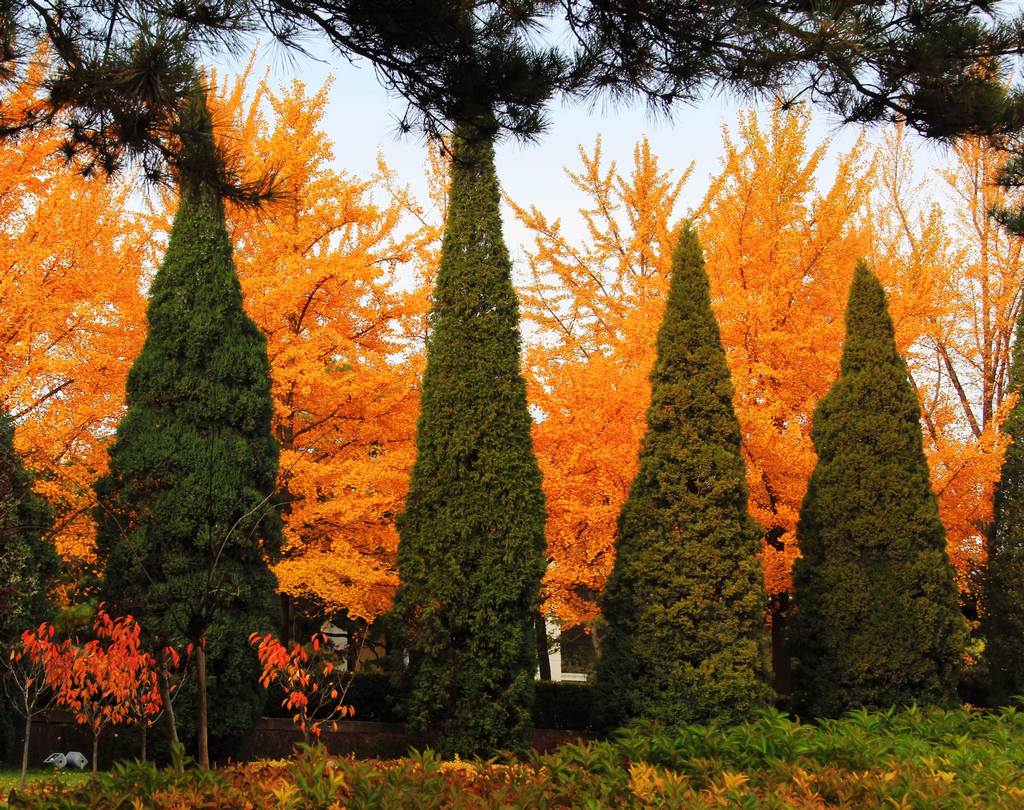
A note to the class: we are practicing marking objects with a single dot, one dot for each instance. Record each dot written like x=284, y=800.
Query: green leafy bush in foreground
x=911, y=758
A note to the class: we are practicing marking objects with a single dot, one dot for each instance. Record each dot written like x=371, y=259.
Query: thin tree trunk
x=204, y=750
x=352, y=650
x=286, y=612
x=965, y=402
x=779, y=612
x=541, y=633
x=95, y=750
x=165, y=699
x=24, y=751
x=145, y=735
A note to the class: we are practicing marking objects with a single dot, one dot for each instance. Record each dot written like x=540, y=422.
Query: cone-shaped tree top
x=870, y=338
x=470, y=557
x=684, y=605
x=878, y=620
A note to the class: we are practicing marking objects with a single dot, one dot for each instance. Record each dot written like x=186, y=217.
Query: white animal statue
x=72, y=759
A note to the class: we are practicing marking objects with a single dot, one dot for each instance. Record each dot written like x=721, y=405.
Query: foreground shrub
x=557, y=704
x=913, y=758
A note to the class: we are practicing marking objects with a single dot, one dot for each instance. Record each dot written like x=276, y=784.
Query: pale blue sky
x=361, y=121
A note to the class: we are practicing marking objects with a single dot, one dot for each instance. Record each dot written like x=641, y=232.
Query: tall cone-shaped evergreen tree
x=186, y=520
x=684, y=604
x=471, y=549
x=28, y=560
x=878, y=621
x=1003, y=579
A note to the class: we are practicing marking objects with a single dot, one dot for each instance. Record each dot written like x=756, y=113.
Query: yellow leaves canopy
x=333, y=276
x=70, y=324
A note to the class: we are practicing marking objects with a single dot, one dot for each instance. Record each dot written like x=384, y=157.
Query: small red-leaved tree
x=25, y=681
x=314, y=689
x=106, y=681
x=144, y=702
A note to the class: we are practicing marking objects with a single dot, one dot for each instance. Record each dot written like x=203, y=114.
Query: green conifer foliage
x=684, y=605
x=878, y=621
x=470, y=556
x=28, y=560
x=186, y=520
x=1003, y=579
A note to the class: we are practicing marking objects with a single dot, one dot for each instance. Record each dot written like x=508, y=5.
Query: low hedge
x=564, y=706
x=559, y=706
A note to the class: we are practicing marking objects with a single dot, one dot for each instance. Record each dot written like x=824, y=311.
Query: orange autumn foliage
x=337, y=275
x=72, y=317
x=109, y=680
x=780, y=255
x=314, y=687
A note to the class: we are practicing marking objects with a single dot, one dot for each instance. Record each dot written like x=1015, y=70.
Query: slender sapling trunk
x=165, y=699
x=204, y=751
x=24, y=751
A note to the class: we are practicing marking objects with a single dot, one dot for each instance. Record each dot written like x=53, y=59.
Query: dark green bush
x=370, y=693
x=564, y=705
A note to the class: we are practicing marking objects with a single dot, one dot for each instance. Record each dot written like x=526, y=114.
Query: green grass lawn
x=9, y=778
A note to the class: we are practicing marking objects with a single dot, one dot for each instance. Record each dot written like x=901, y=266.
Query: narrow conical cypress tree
x=185, y=518
x=878, y=621
x=1003, y=578
x=684, y=605
x=470, y=556
x=28, y=560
